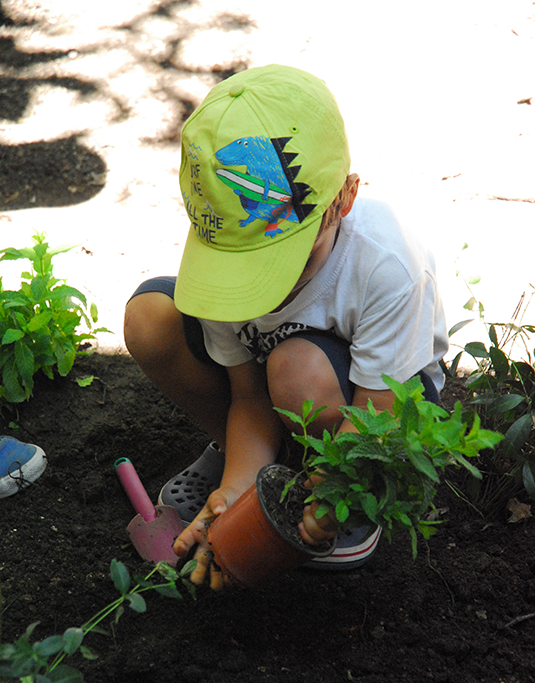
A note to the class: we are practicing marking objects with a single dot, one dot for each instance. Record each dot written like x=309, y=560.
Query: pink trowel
x=154, y=529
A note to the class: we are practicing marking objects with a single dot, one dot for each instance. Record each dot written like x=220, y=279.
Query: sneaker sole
x=348, y=558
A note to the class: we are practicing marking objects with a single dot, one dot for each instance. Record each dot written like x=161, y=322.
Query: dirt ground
x=443, y=617
x=90, y=115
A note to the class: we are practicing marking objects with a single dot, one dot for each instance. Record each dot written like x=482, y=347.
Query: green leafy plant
x=388, y=469
x=39, y=323
x=502, y=394
x=42, y=661
x=501, y=391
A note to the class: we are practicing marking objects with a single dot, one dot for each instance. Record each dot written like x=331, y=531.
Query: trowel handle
x=135, y=490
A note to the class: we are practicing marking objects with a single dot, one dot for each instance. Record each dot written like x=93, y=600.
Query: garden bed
x=443, y=617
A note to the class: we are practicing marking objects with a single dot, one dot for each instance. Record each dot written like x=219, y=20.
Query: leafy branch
x=41, y=661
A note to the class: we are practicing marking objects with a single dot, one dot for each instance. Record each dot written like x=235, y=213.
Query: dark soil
x=444, y=617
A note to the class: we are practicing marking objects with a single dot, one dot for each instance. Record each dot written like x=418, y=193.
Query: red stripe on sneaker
x=350, y=557
x=374, y=540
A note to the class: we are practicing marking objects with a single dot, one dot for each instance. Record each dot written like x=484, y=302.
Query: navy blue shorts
x=335, y=348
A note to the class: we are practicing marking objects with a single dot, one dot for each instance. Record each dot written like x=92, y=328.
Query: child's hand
x=195, y=534
x=315, y=531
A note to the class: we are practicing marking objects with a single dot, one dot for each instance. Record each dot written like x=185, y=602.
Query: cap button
x=236, y=89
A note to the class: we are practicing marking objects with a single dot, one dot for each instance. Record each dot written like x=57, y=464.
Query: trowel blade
x=154, y=540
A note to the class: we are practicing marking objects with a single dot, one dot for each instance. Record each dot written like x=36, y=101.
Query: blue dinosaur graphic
x=264, y=190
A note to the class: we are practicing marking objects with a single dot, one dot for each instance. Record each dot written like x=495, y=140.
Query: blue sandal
x=189, y=490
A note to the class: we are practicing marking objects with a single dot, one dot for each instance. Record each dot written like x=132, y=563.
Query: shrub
x=39, y=323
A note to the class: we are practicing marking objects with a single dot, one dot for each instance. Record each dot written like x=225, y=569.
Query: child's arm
x=253, y=438
x=315, y=531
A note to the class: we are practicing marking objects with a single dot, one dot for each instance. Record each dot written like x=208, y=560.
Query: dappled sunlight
x=440, y=123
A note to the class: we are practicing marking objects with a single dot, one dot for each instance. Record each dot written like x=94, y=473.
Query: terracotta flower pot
x=250, y=546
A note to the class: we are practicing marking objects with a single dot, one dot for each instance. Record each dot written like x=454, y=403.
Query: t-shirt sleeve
x=396, y=331
x=223, y=345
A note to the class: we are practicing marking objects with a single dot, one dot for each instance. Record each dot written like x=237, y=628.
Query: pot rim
x=304, y=548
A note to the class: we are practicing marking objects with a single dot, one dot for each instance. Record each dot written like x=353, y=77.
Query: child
x=289, y=289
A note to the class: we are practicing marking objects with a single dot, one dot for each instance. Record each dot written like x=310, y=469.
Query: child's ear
x=352, y=194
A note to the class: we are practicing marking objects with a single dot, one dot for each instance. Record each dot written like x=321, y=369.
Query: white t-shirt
x=377, y=290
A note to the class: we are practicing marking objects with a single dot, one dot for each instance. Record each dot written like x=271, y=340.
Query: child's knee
x=299, y=371
x=150, y=325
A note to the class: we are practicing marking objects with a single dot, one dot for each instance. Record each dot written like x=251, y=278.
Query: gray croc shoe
x=189, y=490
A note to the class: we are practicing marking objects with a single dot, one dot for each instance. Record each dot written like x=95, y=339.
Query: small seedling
x=388, y=469
x=85, y=381
x=42, y=661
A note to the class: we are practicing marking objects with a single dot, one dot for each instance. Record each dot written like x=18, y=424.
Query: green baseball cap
x=263, y=157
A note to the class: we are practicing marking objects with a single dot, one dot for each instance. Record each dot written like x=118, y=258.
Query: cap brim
x=231, y=286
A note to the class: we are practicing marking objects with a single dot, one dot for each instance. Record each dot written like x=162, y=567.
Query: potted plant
x=385, y=472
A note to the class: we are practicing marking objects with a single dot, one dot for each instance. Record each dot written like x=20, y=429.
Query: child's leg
x=299, y=369
x=310, y=366
x=154, y=335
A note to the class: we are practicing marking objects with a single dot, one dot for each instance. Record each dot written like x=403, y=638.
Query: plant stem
x=106, y=611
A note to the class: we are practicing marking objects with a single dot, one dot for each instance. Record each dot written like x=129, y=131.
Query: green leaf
x=459, y=326
x=409, y=417
x=470, y=304
x=188, y=568
x=11, y=254
x=120, y=576
x=500, y=362
x=65, y=294
x=39, y=321
x=65, y=354
x=323, y=509
x=370, y=506
x=169, y=591
x=72, y=639
x=292, y=416
x=369, y=449
x=39, y=286
x=14, y=393
x=49, y=646
x=65, y=674
x=502, y=404
x=468, y=466
x=528, y=478
x=25, y=363
x=455, y=364
x=516, y=436
x=12, y=335
x=170, y=573
x=476, y=349
x=137, y=602
x=341, y=511
x=398, y=389
x=87, y=653
x=84, y=381
x=315, y=414
x=420, y=460
x=7, y=651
